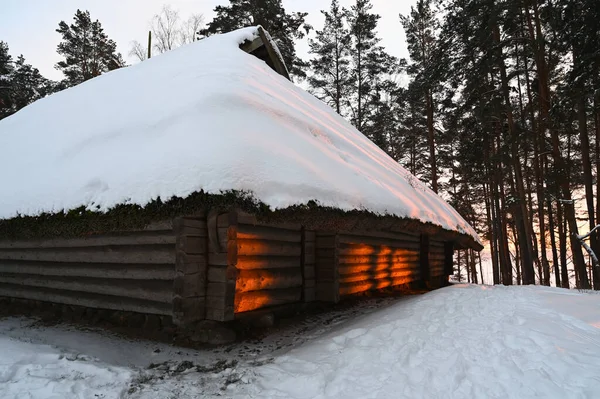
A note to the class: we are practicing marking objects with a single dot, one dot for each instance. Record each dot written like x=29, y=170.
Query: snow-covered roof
x=206, y=116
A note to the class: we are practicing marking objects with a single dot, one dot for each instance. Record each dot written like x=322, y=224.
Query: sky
x=29, y=26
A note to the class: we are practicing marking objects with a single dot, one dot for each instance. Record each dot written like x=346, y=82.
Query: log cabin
x=329, y=216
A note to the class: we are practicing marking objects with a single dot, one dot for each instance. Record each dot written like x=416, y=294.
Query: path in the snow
x=65, y=361
x=458, y=342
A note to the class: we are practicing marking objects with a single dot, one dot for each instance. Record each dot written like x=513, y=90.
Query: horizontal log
x=437, y=244
x=389, y=274
x=394, y=242
x=267, y=262
x=246, y=232
x=258, y=280
x=86, y=299
x=376, y=259
x=133, y=238
x=362, y=268
x=218, y=259
x=160, y=225
x=248, y=301
x=152, y=290
x=191, y=227
x=268, y=248
x=364, y=249
x=107, y=254
x=92, y=270
x=370, y=285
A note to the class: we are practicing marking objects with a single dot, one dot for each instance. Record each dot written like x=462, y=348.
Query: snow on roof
x=204, y=116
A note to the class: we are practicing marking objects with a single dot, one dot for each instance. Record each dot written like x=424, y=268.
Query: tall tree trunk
x=595, y=238
x=431, y=140
x=553, y=245
x=562, y=239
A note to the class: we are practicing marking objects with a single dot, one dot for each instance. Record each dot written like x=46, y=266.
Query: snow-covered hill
x=458, y=342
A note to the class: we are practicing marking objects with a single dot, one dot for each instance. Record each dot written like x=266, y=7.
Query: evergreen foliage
x=284, y=27
x=87, y=50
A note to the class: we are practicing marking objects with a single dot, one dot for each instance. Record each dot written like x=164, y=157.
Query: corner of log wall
x=327, y=275
x=189, y=286
x=222, y=262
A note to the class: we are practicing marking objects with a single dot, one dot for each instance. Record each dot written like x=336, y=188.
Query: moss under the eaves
x=82, y=222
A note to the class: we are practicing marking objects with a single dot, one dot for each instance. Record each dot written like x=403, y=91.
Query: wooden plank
x=277, y=62
x=362, y=268
x=309, y=272
x=92, y=270
x=258, y=280
x=156, y=291
x=136, y=238
x=106, y=254
x=268, y=248
x=379, y=241
x=361, y=236
x=377, y=259
x=362, y=286
x=251, y=45
x=191, y=227
x=267, y=262
x=247, y=232
x=382, y=275
x=85, y=299
x=248, y=301
x=364, y=249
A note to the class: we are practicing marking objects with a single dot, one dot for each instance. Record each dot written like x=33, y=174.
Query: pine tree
x=87, y=49
x=370, y=62
x=330, y=76
x=28, y=84
x=420, y=28
x=6, y=71
x=271, y=15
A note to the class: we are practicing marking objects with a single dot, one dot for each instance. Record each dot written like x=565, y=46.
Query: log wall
x=214, y=267
x=371, y=262
x=256, y=266
x=130, y=271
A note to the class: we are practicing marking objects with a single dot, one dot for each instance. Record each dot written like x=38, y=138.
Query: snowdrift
x=206, y=116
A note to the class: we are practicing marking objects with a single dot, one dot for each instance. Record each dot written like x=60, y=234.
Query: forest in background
x=500, y=116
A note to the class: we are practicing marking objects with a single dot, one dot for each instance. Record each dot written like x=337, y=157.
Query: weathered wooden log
x=85, y=299
x=362, y=259
x=108, y=254
x=268, y=248
x=156, y=291
x=376, y=276
x=256, y=280
x=248, y=301
x=358, y=249
x=134, y=238
x=368, y=267
x=369, y=285
x=395, y=242
x=92, y=270
x=267, y=262
x=246, y=232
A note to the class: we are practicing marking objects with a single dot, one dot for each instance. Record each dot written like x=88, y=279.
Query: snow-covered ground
x=458, y=342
